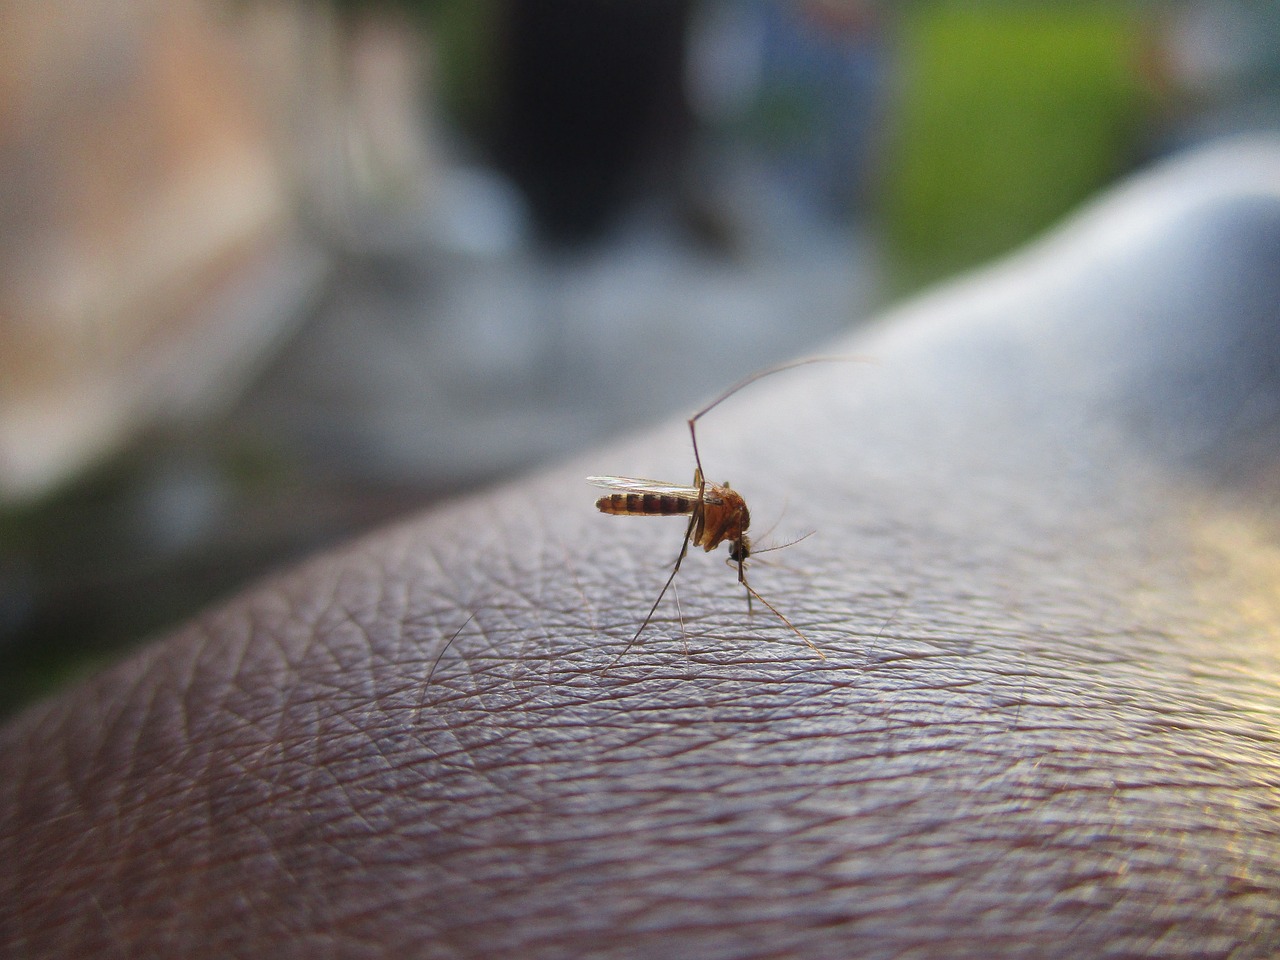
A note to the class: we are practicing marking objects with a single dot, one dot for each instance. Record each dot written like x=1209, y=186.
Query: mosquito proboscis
x=717, y=513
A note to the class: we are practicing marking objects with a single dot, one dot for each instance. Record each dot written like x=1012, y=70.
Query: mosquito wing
x=638, y=485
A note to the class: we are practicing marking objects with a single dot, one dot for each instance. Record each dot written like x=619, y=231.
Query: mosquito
x=717, y=513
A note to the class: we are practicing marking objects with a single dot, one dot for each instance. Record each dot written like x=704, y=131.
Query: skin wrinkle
x=1027, y=741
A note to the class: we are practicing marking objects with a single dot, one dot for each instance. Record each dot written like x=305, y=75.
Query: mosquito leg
x=699, y=480
x=697, y=459
x=684, y=550
x=778, y=613
x=684, y=633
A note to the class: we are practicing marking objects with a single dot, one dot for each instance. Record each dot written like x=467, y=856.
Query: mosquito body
x=717, y=513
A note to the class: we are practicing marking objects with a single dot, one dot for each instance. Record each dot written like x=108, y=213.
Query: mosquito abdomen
x=644, y=504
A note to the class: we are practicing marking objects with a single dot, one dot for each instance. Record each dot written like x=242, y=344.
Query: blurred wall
x=156, y=156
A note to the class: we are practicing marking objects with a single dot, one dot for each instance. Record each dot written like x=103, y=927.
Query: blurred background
x=275, y=271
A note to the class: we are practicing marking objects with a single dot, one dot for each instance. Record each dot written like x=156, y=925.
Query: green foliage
x=1008, y=117
x=465, y=35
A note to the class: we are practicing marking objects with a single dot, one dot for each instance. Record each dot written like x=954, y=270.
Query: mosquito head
x=739, y=550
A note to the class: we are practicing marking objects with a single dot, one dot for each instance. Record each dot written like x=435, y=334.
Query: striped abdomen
x=645, y=504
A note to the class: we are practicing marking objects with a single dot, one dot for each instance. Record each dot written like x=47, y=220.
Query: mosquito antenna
x=782, y=546
x=774, y=526
x=443, y=650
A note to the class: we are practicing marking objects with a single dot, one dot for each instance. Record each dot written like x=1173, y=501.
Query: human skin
x=1044, y=575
